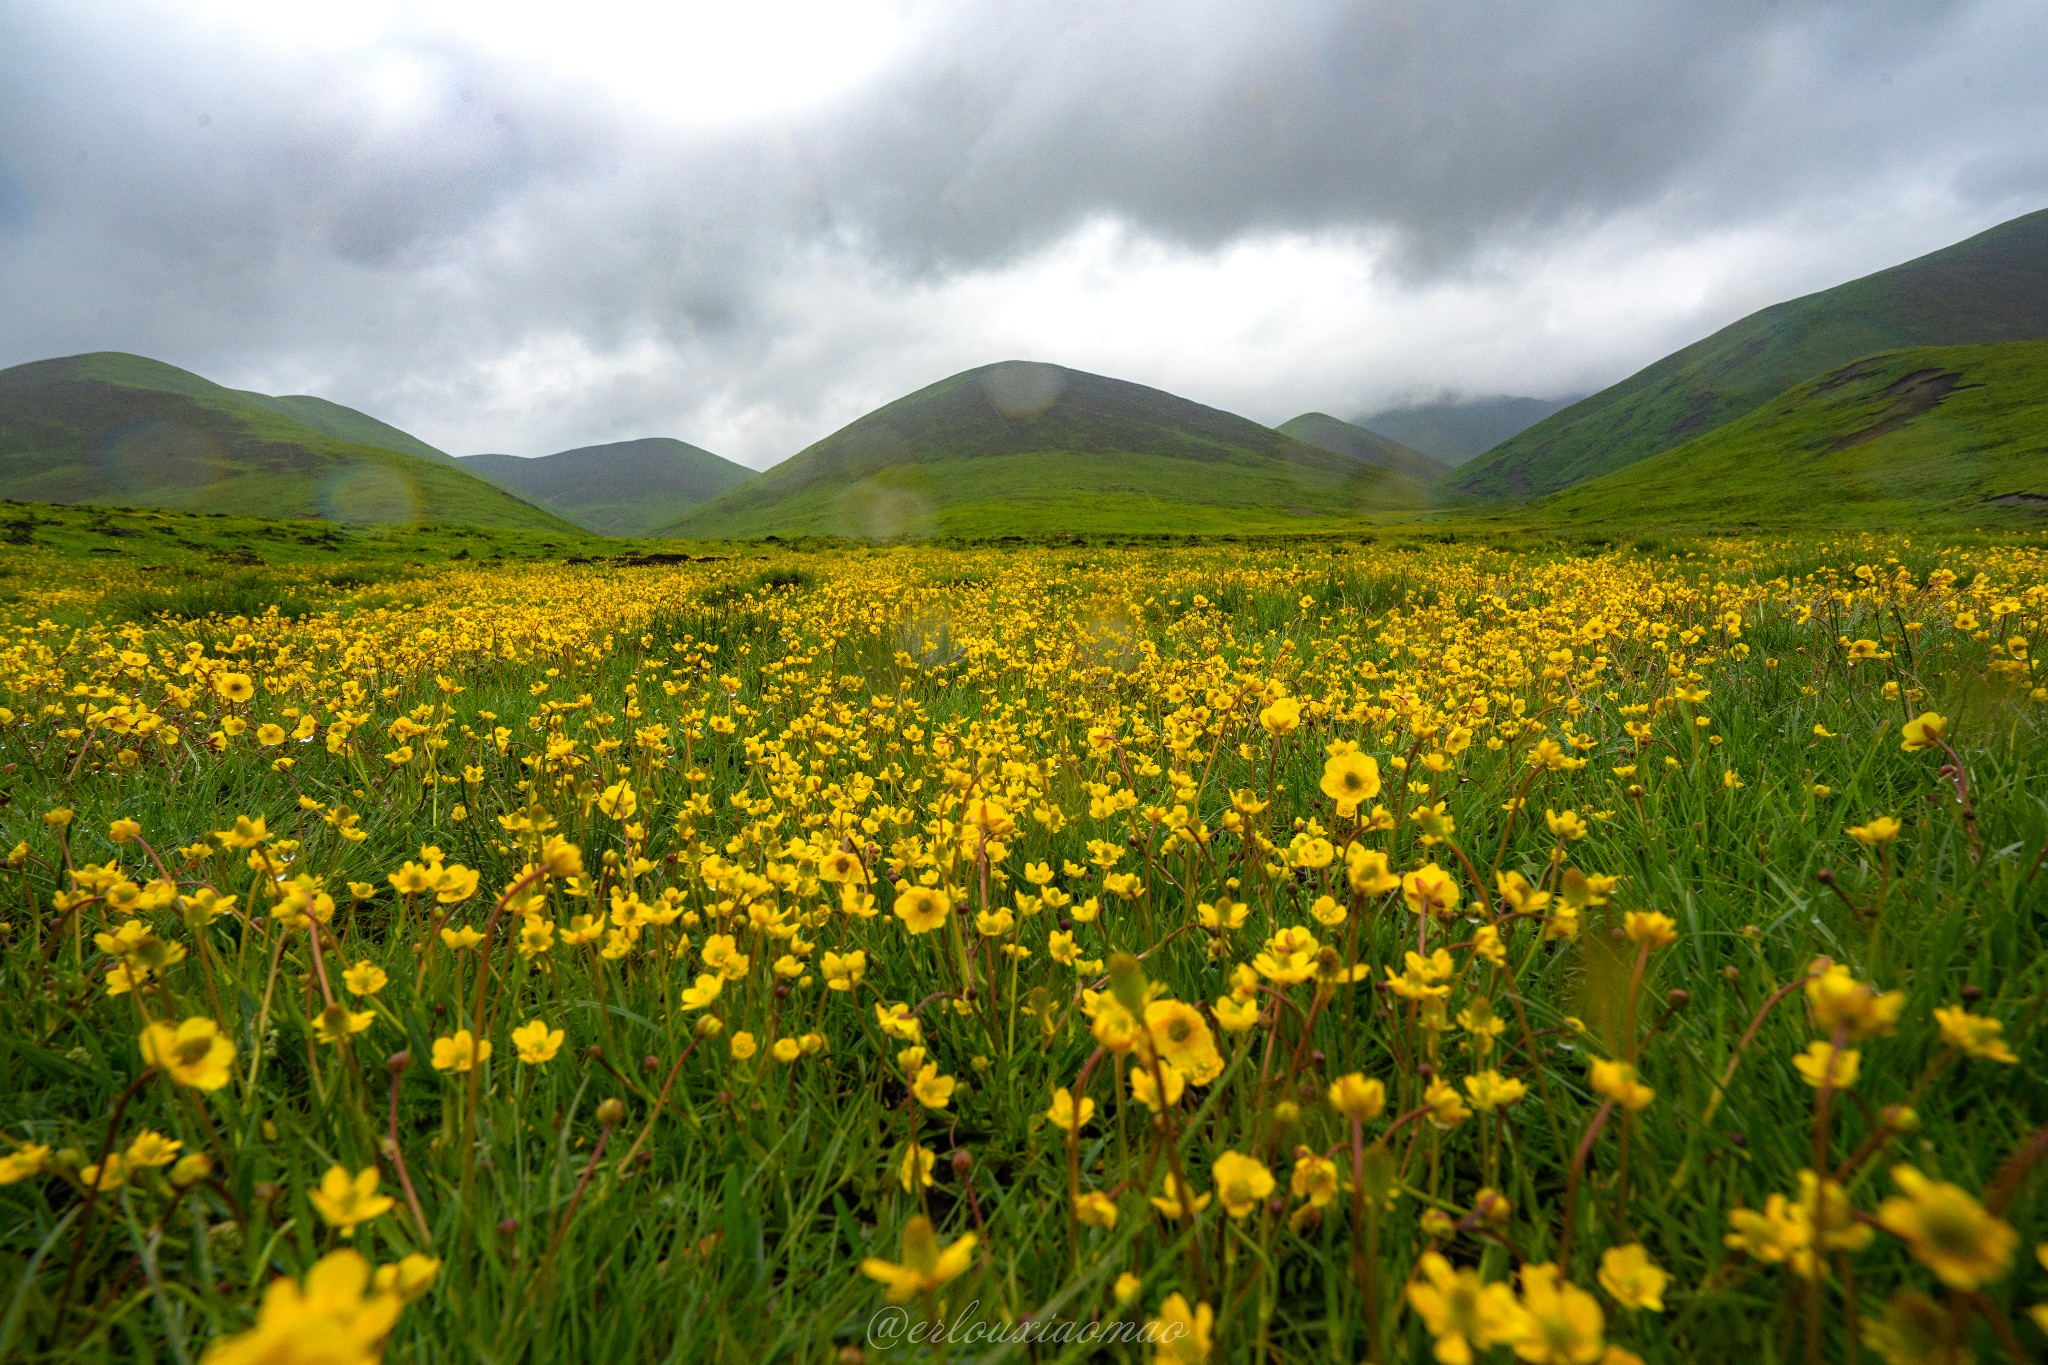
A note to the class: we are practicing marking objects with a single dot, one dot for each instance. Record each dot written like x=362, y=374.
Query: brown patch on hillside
x=1842, y=376
x=1695, y=417
x=1911, y=395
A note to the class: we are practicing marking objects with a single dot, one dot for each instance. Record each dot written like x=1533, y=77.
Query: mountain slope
x=1944, y=435
x=1021, y=447
x=358, y=428
x=1457, y=429
x=1992, y=287
x=126, y=431
x=1327, y=432
x=625, y=488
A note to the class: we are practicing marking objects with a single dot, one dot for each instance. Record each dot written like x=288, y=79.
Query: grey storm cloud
x=255, y=213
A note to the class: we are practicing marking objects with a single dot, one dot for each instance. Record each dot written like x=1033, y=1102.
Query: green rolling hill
x=625, y=488
x=1991, y=288
x=1939, y=435
x=1027, y=448
x=122, y=430
x=1327, y=432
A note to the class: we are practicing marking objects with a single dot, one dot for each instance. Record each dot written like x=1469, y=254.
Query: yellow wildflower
x=344, y=1200
x=1632, y=1278
x=1465, y=1315
x=536, y=1042
x=192, y=1053
x=927, y=1265
x=1948, y=1231
x=1184, y=1333
x=1241, y=1182
x=460, y=1052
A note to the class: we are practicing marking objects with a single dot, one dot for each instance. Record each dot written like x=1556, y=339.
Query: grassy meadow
x=1387, y=947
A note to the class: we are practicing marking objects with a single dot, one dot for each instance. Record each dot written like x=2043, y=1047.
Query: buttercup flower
x=1358, y=1098
x=344, y=1200
x=1632, y=1278
x=460, y=1051
x=926, y=1267
x=1241, y=1182
x=1566, y=1326
x=1431, y=891
x=192, y=1053
x=410, y=1277
x=1974, y=1035
x=1350, y=779
x=1948, y=1231
x=536, y=1042
x=1924, y=731
x=1465, y=1315
x=933, y=1091
x=1824, y=1064
x=1184, y=1333
x=1065, y=1116
x=1095, y=1209
x=1182, y=1038
x=333, y=1318
x=1171, y=1201
x=365, y=978
x=922, y=908
x=1616, y=1081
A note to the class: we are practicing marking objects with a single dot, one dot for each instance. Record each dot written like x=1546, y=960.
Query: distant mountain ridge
x=622, y=488
x=124, y=430
x=1992, y=287
x=1455, y=430
x=1031, y=448
x=1321, y=429
x=1920, y=390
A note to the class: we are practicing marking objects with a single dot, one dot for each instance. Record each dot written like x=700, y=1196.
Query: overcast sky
x=519, y=226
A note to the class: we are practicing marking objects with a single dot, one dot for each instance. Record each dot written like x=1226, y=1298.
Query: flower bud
x=1127, y=983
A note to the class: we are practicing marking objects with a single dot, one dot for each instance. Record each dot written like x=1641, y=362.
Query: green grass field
x=1053, y=492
